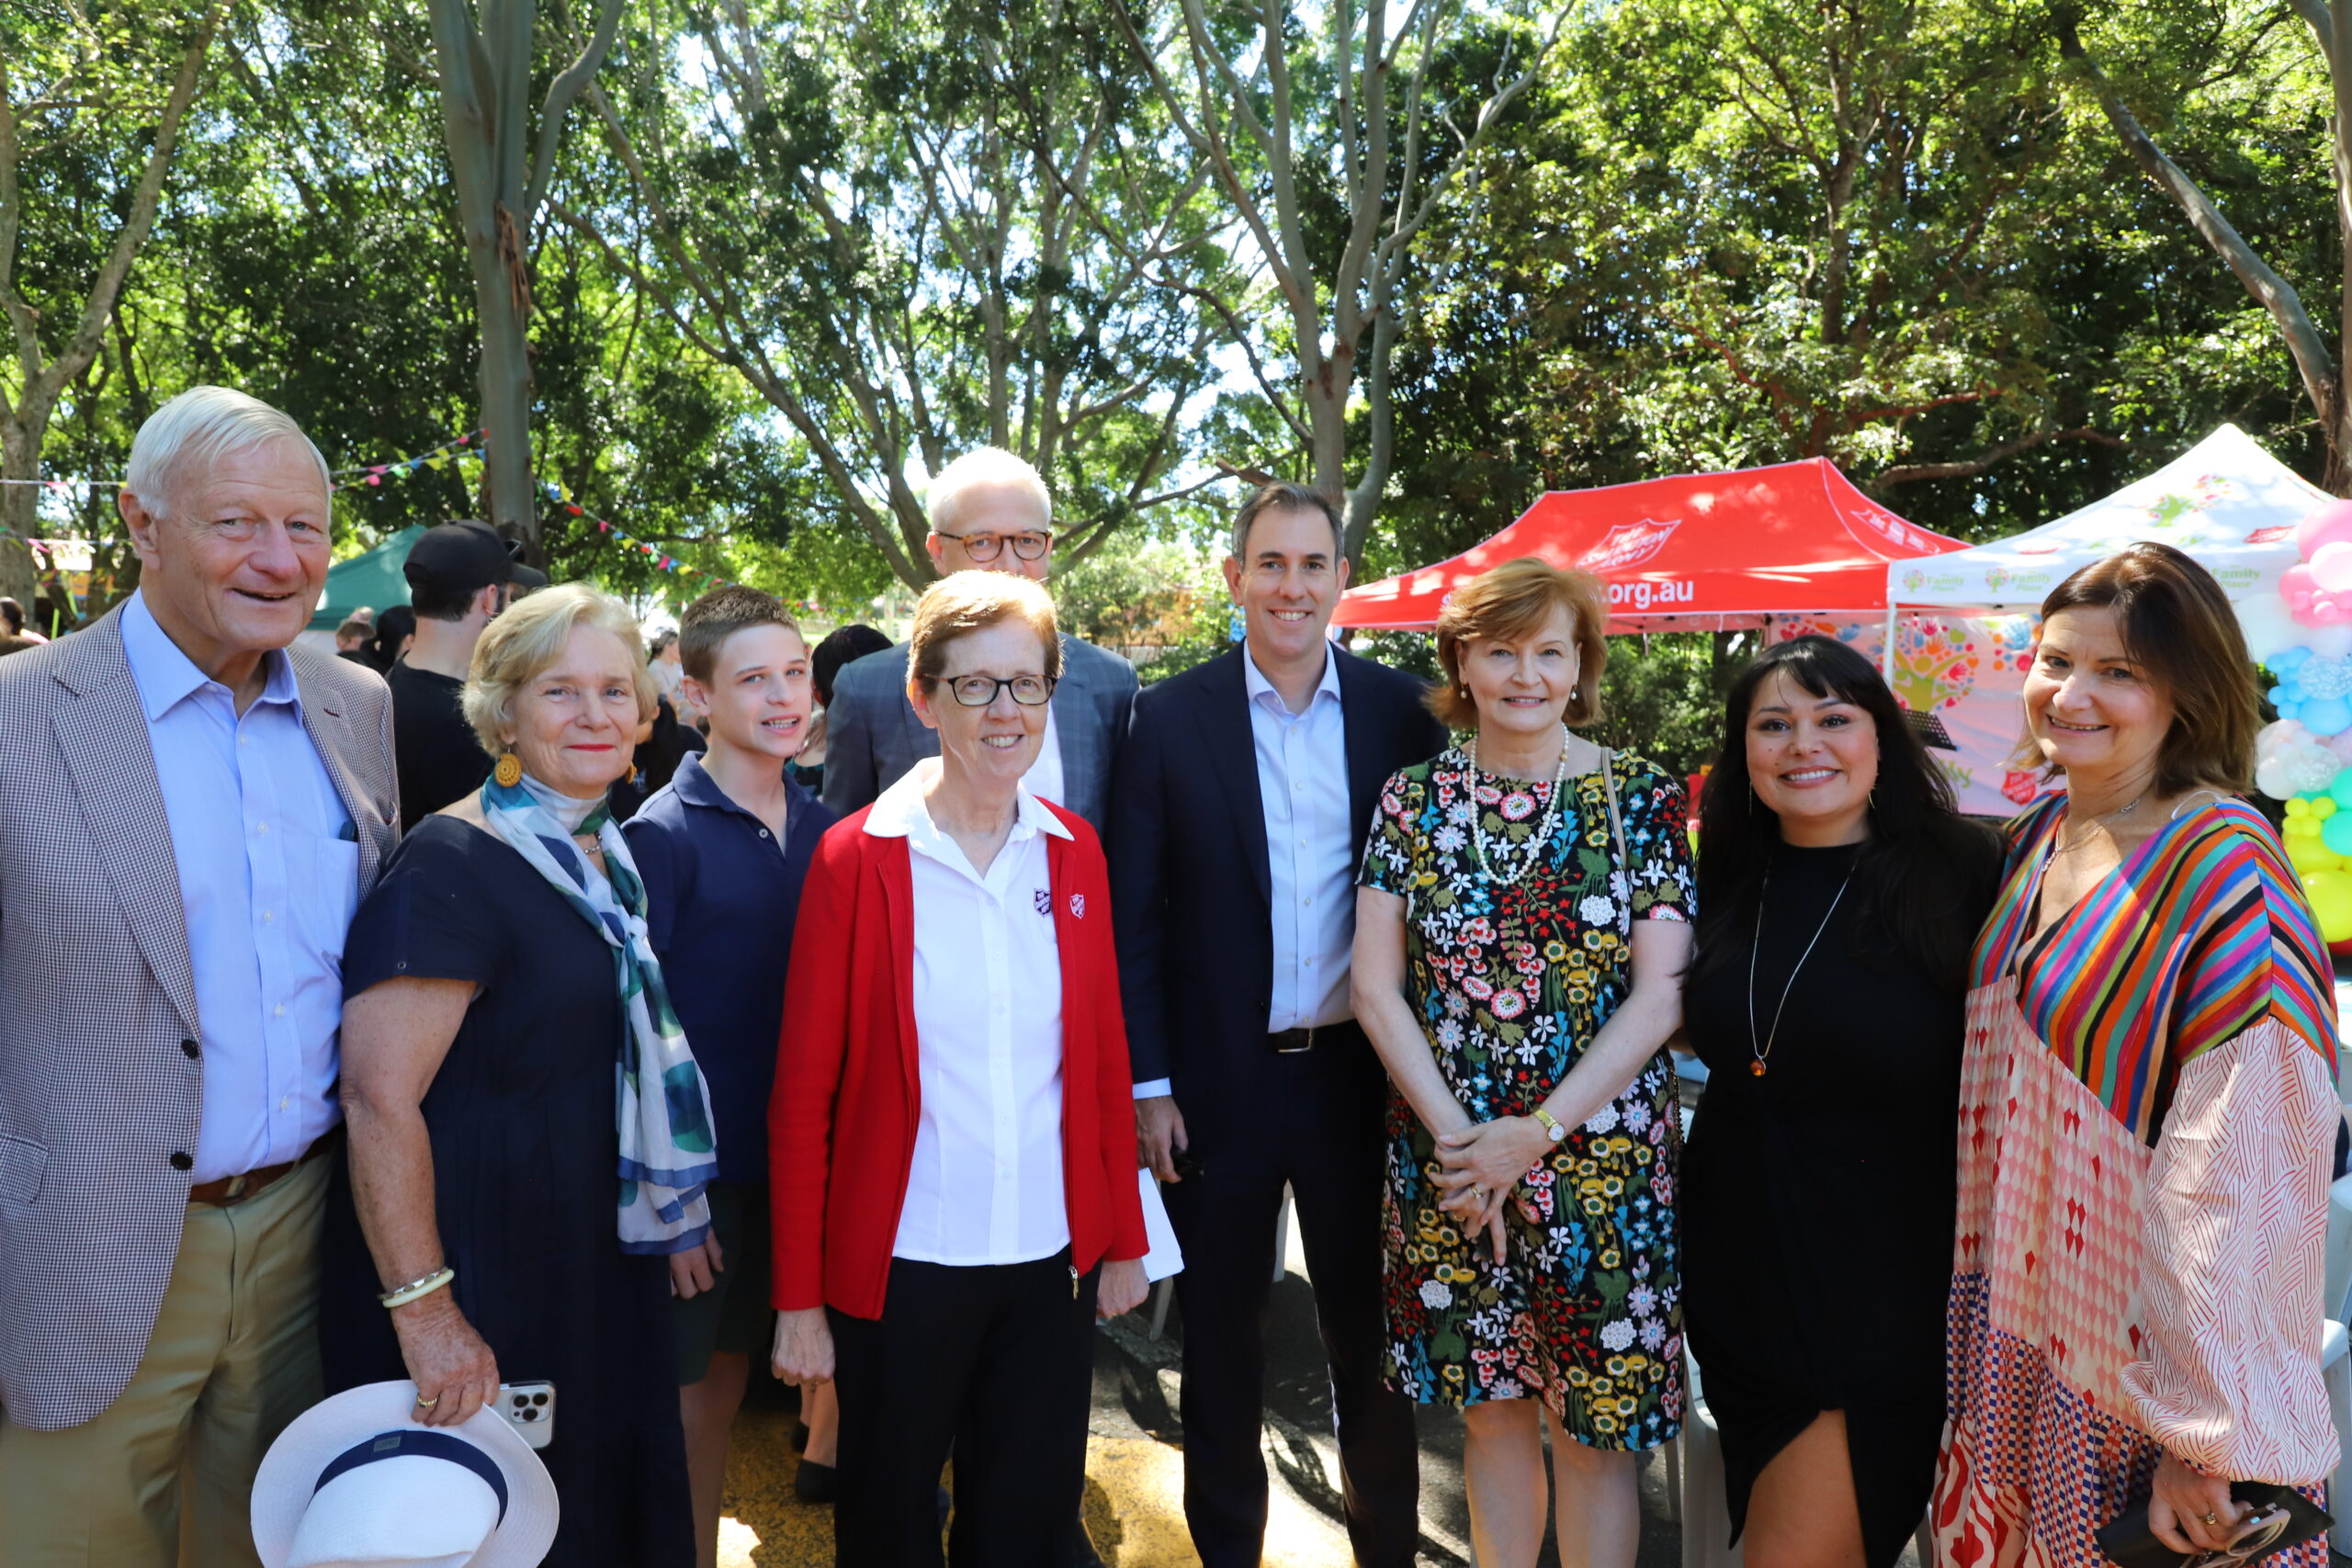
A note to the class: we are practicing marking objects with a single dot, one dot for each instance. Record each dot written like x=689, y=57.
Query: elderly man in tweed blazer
x=190, y=809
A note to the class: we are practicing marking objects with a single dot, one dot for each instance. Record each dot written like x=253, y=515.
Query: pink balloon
x=2329, y=525
x=2296, y=586
x=2340, y=743
x=2332, y=566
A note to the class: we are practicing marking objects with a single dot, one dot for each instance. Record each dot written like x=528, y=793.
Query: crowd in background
x=499, y=1011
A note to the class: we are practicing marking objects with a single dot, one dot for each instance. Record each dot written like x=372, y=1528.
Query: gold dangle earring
x=509, y=772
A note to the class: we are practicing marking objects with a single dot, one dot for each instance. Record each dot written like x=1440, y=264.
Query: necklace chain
x=1542, y=828
x=1763, y=1052
x=2067, y=847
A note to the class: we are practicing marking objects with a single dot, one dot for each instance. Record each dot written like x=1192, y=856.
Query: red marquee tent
x=1699, y=552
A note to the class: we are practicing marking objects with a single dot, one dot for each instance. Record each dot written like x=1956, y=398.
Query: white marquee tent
x=1958, y=632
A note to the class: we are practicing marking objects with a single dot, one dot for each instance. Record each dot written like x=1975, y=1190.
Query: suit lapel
x=1075, y=717
x=102, y=734
x=1359, y=725
x=1233, y=758
x=330, y=737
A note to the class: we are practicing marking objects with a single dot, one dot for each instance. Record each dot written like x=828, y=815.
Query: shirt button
x=763, y=832
x=261, y=826
x=285, y=1102
x=267, y=917
x=188, y=1049
x=1308, y=902
x=280, y=1013
x=182, y=1161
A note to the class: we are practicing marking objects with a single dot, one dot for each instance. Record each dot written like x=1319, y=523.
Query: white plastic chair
x=1706, y=1513
x=2335, y=1365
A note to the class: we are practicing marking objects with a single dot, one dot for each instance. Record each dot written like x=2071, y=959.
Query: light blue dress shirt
x=1303, y=783
x=268, y=882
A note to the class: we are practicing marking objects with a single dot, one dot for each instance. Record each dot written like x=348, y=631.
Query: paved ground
x=1134, y=1504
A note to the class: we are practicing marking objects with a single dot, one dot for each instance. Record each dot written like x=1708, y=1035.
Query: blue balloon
x=2287, y=660
x=2336, y=833
x=2339, y=789
x=2324, y=716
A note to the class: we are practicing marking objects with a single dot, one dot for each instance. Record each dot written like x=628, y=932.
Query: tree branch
x=2314, y=363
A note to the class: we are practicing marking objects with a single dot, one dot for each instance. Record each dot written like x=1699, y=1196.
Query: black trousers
x=1314, y=1121
x=995, y=1363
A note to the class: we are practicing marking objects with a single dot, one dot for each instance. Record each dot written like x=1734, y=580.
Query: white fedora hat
x=355, y=1483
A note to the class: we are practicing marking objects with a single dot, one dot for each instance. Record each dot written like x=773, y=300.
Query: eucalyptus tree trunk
x=2326, y=379
x=502, y=180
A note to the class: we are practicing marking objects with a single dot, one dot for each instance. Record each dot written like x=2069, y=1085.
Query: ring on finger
x=1478, y=1194
x=2209, y=1517
x=424, y=1403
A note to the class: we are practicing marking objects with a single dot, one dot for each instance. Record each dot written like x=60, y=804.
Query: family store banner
x=1698, y=552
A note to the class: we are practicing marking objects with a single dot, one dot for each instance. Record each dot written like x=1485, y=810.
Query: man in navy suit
x=1238, y=817
x=990, y=512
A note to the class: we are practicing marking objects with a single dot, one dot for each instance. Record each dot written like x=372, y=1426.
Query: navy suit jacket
x=1190, y=880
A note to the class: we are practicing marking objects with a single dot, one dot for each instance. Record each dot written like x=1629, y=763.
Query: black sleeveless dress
x=1817, y=1199
x=525, y=1162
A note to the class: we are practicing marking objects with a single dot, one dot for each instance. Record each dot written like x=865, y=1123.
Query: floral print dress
x=1512, y=983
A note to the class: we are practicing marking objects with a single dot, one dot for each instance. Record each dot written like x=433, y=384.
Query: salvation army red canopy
x=1698, y=552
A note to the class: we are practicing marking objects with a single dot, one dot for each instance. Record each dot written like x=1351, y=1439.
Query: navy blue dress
x=524, y=1157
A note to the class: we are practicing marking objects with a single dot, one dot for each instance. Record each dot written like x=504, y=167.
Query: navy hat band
x=423, y=1444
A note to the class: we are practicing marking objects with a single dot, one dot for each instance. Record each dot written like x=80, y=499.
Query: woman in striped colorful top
x=2148, y=1109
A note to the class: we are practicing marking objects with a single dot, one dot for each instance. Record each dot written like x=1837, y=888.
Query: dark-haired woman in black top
x=1838, y=894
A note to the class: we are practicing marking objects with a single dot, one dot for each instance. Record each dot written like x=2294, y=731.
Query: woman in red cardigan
x=952, y=1128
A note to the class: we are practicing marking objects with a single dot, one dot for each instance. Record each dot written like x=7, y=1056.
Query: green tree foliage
x=1739, y=231
x=881, y=216
x=93, y=99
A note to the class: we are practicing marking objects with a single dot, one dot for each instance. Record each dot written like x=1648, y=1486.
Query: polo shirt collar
x=168, y=677
x=900, y=812
x=692, y=783
x=1261, y=690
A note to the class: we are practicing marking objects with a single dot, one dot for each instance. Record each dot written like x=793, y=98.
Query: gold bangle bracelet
x=417, y=1290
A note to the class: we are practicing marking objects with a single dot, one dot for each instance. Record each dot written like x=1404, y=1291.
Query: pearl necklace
x=1542, y=828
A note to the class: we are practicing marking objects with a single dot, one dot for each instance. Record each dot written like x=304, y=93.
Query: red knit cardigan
x=849, y=1092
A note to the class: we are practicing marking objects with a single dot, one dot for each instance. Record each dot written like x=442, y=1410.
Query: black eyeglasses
x=984, y=546
x=979, y=690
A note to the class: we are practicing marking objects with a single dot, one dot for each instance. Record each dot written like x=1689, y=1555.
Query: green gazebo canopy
x=371, y=581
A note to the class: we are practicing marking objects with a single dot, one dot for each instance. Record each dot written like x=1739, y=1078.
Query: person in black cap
x=460, y=575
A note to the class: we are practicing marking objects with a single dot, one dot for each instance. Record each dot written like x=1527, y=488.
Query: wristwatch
x=1552, y=1129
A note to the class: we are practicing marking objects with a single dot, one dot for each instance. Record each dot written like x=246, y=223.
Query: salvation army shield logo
x=1628, y=544
x=1078, y=906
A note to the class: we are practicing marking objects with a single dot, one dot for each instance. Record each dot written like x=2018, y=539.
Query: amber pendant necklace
x=1763, y=1052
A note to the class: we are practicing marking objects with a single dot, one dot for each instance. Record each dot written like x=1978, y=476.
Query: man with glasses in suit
x=990, y=512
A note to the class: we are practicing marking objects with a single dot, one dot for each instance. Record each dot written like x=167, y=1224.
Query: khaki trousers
x=163, y=1476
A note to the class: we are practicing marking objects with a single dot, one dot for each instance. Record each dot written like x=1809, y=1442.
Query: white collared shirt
x=1303, y=788
x=984, y=1186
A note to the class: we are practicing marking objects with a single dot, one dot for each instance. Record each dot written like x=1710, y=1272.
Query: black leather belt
x=1292, y=1042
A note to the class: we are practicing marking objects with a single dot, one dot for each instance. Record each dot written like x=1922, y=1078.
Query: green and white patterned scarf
x=667, y=1146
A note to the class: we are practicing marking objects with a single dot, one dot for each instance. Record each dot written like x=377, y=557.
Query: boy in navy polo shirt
x=723, y=849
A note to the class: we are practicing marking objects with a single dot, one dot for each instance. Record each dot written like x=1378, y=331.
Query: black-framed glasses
x=985, y=546
x=979, y=690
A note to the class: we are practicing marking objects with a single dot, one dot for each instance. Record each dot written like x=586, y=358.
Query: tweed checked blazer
x=99, y=1078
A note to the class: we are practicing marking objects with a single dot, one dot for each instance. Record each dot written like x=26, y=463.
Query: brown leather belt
x=230, y=1190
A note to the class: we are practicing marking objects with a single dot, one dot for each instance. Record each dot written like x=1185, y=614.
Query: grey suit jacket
x=872, y=734
x=97, y=997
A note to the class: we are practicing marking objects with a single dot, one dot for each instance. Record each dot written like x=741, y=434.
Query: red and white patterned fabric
x=2111, y=1300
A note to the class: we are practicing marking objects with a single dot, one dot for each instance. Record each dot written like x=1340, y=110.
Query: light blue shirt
x=1303, y=783
x=268, y=881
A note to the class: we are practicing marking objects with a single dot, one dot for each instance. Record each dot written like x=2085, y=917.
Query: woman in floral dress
x=1521, y=922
